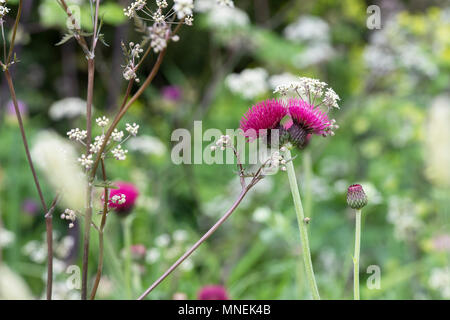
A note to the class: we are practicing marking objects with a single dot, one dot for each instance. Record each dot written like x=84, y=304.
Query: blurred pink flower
x=23, y=108
x=213, y=292
x=30, y=206
x=172, y=93
x=138, y=251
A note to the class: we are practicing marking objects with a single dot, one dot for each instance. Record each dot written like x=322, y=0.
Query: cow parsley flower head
x=70, y=215
x=183, y=8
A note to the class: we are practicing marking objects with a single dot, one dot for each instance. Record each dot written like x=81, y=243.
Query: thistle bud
x=356, y=197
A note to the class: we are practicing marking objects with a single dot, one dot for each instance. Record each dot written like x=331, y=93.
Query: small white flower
x=70, y=215
x=102, y=121
x=117, y=135
x=3, y=10
x=189, y=20
x=98, y=142
x=132, y=129
x=118, y=199
x=161, y=3
x=86, y=161
x=130, y=12
x=77, y=134
x=183, y=8
x=119, y=153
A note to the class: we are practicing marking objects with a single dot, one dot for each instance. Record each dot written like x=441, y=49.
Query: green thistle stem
x=302, y=226
x=356, y=255
x=127, y=244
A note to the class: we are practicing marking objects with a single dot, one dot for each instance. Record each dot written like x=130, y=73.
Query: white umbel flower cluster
x=70, y=215
x=3, y=8
x=116, y=140
x=132, y=129
x=223, y=142
x=118, y=199
x=130, y=11
x=77, y=134
x=86, y=161
x=133, y=54
x=277, y=160
x=160, y=31
x=312, y=91
x=183, y=8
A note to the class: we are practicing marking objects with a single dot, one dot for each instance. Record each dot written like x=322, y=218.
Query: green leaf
x=64, y=39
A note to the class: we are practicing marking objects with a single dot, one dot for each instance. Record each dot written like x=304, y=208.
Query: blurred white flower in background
x=308, y=28
x=12, y=286
x=437, y=142
x=147, y=145
x=67, y=108
x=180, y=235
x=262, y=214
x=152, y=255
x=403, y=214
x=57, y=159
x=162, y=240
x=313, y=54
x=226, y=17
x=440, y=281
x=314, y=33
x=393, y=47
x=250, y=83
x=6, y=237
x=222, y=16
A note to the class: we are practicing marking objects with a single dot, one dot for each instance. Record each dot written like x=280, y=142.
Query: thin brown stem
x=123, y=110
x=126, y=106
x=48, y=219
x=199, y=242
x=100, y=235
x=14, y=32
x=88, y=212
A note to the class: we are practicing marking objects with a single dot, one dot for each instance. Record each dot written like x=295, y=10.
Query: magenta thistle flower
x=213, y=292
x=123, y=205
x=265, y=115
x=356, y=197
x=306, y=119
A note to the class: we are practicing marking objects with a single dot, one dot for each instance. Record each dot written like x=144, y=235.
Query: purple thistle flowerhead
x=305, y=120
x=265, y=115
x=213, y=292
x=356, y=197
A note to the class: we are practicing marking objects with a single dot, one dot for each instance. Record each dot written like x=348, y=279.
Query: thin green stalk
x=126, y=223
x=302, y=226
x=356, y=255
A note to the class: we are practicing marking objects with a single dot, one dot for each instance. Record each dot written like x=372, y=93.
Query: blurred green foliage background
x=394, y=139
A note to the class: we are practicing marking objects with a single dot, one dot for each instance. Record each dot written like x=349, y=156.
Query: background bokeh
x=394, y=139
